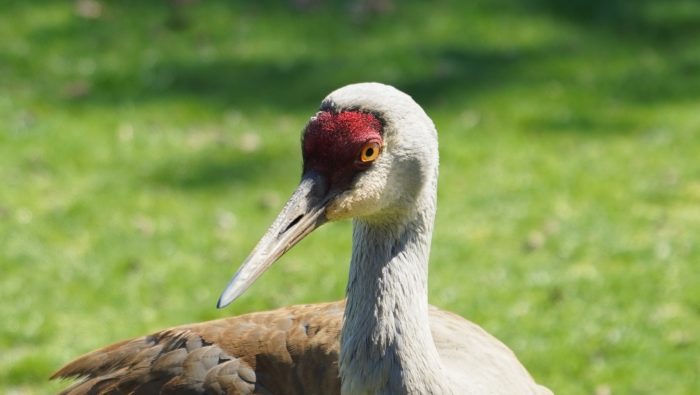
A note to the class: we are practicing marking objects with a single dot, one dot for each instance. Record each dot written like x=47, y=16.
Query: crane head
x=356, y=165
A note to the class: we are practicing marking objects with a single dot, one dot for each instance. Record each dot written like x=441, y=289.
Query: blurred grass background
x=145, y=146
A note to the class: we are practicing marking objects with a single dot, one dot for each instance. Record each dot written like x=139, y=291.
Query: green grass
x=141, y=156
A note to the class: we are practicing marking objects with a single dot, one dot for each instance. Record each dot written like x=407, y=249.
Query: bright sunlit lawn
x=144, y=149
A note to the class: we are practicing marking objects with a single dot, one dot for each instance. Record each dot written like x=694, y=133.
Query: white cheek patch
x=364, y=199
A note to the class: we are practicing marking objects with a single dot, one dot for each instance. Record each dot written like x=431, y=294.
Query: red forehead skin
x=332, y=141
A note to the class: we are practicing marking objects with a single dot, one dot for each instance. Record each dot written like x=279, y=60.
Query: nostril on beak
x=294, y=222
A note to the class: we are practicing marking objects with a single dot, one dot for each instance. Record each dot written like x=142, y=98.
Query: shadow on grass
x=131, y=68
x=659, y=22
x=432, y=73
x=225, y=82
x=458, y=73
x=582, y=123
x=224, y=169
x=450, y=74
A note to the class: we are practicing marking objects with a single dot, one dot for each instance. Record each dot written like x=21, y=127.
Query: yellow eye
x=370, y=152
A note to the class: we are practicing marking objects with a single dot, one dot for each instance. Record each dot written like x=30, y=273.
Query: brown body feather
x=288, y=351
x=293, y=350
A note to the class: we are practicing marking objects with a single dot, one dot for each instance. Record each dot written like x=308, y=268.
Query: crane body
x=370, y=155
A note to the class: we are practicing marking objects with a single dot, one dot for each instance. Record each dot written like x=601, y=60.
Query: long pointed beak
x=304, y=212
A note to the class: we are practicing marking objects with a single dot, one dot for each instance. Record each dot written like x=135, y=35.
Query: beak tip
x=220, y=303
x=226, y=298
x=303, y=212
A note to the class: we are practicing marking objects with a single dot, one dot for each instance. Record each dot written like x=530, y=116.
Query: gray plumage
x=386, y=339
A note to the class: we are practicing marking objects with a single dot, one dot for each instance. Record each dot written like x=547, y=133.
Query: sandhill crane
x=370, y=154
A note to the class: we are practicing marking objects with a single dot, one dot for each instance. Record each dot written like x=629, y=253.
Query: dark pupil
x=369, y=152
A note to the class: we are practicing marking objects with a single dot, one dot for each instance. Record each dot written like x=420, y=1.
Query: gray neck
x=386, y=343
